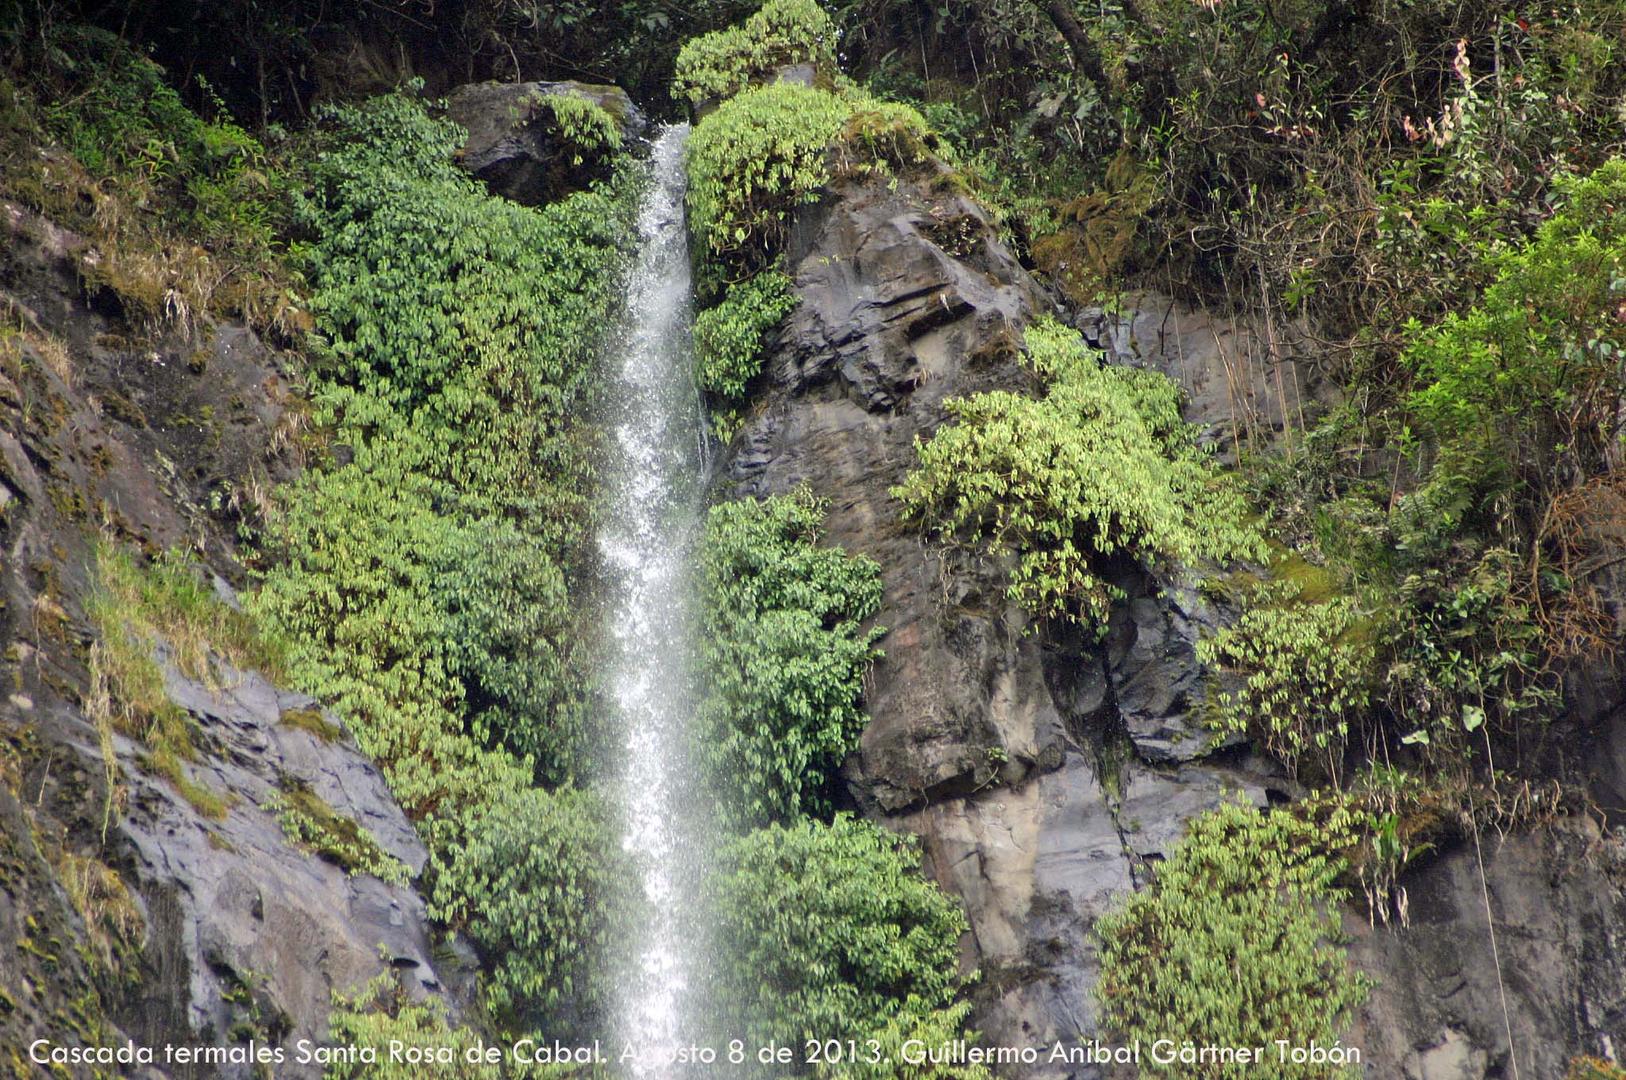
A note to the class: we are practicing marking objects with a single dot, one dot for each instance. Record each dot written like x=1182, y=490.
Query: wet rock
x=155, y=437
x=880, y=339
x=986, y=732
x=519, y=157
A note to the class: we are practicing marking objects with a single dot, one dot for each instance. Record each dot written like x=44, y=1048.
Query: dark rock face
x=1044, y=772
x=157, y=438
x=252, y=912
x=513, y=154
x=994, y=743
x=1559, y=902
x=1241, y=382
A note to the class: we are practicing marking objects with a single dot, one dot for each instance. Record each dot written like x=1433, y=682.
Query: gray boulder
x=514, y=151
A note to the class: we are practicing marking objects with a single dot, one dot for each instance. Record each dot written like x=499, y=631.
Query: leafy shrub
x=513, y=638
x=584, y=124
x=1525, y=386
x=381, y=1012
x=1469, y=650
x=756, y=159
x=829, y=932
x=356, y=594
x=540, y=888
x=722, y=63
x=783, y=655
x=1306, y=672
x=426, y=582
x=728, y=337
x=767, y=151
x=1102, y=464
x=1232, y=944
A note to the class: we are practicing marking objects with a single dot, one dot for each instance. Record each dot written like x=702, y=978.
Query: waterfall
x=649, y=526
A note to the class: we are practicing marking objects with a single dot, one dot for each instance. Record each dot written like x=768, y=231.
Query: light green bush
x=767, y=151
x=754, y=161
x=722, y=63
x=783, y=655
x=830, y=932
x=426, y=579
x=1306, y=671
x=584, y=124
x=1525, y=387
x=728, y=337
x=1100, y=465
x=1233, y=944
x=541, y=887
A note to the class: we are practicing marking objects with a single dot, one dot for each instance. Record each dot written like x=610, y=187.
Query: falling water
x=649, y=525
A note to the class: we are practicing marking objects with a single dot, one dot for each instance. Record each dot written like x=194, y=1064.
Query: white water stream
x=650, y=520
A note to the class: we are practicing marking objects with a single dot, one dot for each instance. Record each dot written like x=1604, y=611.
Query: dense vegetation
x=428, y=583
x=1102, y=463
x=1423, y=197
x=783, y=656
x=1234, y=944
x=830, y=933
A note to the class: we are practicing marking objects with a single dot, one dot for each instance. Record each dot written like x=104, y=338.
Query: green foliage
x=728, y=337
x=831, y=933
x=381, y=1012
x=1233, y=944
x=311, y=822
x=783, y=655
x=1469, y=650
x=185, y=213
x=767, y=151
x=1526, y=385
x=1102, y=464
x=584, y=124
x=541, y=887
x=357, y=595
x=755, y=160
x=938, y=1027
x=426, y=581
x=1305, y=671
x=783, y=32
x=513, y=634
x=120, y=118
x=427, y=577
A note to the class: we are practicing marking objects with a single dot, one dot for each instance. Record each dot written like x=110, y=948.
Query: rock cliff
x=1043, y=772
x=133, y=911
